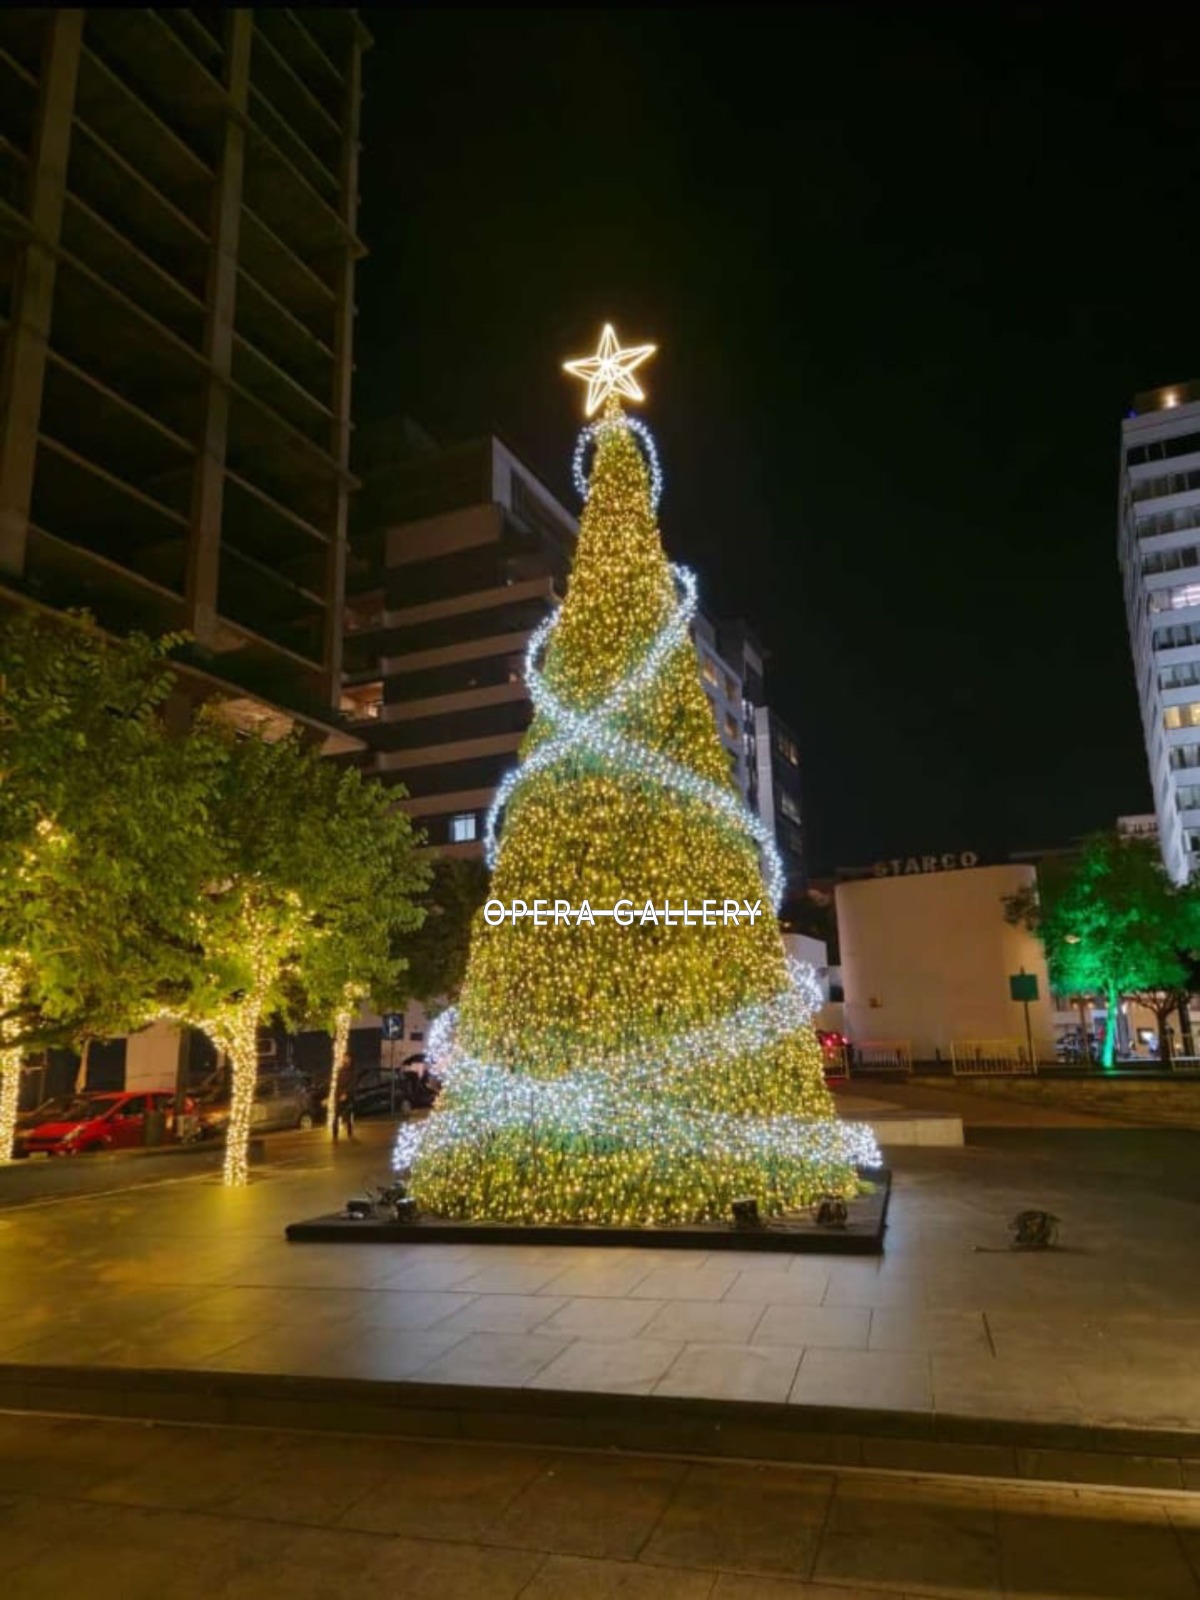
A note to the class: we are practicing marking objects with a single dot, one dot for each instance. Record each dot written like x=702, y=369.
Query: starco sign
x=901, y=866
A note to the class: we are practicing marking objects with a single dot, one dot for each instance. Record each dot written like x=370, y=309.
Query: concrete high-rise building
x=177, y=252
x=1159, y=551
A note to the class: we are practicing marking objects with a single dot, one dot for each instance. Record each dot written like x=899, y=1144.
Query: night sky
x=905, y=272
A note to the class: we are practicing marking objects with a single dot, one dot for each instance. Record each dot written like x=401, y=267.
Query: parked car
x=281, y=1100
x=833, y=1054
x=48, y=1111
x=389, y=1091
x=94, y=1121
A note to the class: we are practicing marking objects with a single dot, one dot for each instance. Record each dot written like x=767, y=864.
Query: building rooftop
x=1165, y=399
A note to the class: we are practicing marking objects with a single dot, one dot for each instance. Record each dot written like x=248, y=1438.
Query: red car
x=833, y=1049
x=100, y=1122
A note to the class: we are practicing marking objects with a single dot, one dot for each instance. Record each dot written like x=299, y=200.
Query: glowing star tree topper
x=610, y=370
x=604, y=1072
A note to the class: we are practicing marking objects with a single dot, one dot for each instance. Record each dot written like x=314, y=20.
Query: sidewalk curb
x=905, y=1441
x=256, y=1150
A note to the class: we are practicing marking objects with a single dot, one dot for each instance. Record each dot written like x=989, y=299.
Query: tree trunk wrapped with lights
x=617, y=1071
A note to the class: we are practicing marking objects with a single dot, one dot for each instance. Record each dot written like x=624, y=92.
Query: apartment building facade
x=470, y=554
x=178, y=211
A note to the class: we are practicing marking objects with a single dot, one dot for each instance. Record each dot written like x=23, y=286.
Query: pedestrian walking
x=342, y=1108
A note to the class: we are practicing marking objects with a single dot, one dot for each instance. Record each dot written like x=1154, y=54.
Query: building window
x=1168, y=483
x=1171, y=560
x=785, y=748
x=1187, y=716
x=731, y=727
x=731, y=688
x=1183, y=444
x=462, y=828
x=1180, y=521
x=788, y=806
x=1184, y=755
x=363, y=703
x=1178, y=636
x=1183, y=676
x=363, y=616
x=709, y=672
x=1187, y=797
x=1179, y=598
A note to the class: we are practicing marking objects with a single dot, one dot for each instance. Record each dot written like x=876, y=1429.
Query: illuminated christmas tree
x=636, y=1067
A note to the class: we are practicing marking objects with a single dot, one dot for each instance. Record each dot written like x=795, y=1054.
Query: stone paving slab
x=264, y=1513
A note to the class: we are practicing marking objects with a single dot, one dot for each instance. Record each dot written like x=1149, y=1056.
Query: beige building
x=926, y=960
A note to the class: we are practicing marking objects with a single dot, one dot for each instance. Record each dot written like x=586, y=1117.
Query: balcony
x=114, y=111
x=172, y=64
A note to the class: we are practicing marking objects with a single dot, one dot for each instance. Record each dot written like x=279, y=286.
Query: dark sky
x=905, y=271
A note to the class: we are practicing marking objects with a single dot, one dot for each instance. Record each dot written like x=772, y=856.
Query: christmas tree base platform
x=862, y=1233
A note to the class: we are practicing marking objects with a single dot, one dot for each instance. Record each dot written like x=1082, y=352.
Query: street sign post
x=1023, y=986
x=392, y=1023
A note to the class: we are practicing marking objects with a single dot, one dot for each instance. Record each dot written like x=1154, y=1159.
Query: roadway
x=41, y=1180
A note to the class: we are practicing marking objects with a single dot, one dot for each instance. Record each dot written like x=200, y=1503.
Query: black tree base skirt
x=862, y=1233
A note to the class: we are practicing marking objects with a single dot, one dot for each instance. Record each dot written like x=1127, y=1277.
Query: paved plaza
x=718, y=1374
x=949, y=1321
x=126, y=1511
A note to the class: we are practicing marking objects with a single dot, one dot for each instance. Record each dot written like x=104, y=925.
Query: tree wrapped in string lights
x=628, y=1070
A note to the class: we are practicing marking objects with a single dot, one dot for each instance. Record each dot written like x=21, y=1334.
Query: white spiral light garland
x=593, y=734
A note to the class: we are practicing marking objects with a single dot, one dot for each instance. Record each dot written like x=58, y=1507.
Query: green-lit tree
x=104, y=839
x=1112, y=923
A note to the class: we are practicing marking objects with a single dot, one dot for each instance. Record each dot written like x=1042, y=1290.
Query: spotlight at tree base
x=633, y=1074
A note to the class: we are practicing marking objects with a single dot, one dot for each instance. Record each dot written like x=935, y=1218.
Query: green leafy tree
x=315, y=877
x=1112, y=923
x=104, y=839
x=361, y=887
x=437, y=953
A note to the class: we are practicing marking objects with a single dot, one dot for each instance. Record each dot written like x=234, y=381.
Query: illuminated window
x=731, y=727
x=1176, y=599
x=788, y=806
x=462, y=828
x=1187, y=716
x=709, y=672
x=363, y=703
